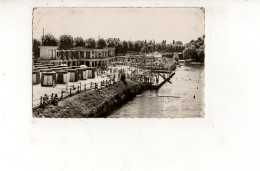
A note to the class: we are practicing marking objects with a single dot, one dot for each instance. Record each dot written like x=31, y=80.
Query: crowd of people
x=46, y=101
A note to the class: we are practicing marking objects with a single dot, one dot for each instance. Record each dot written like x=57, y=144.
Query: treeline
x=195, y=50
x=121, y=47
x=66, y=42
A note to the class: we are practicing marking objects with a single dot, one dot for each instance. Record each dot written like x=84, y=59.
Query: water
x=172, y=100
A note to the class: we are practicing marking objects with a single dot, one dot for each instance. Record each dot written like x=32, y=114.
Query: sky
x=179, y=24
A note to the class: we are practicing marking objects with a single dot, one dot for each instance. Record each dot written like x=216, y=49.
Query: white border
x=226, y=139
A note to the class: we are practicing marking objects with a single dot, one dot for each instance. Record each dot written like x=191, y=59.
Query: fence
x=78, y=87
x=72, y=90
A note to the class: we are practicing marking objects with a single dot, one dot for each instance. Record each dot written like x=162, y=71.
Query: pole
x=41, y=101
x=42, y=35
x=67, y=81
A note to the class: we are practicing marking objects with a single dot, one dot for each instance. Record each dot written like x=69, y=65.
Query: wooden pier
x=156, y=87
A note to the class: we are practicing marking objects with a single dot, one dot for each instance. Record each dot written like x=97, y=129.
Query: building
x=77, y=56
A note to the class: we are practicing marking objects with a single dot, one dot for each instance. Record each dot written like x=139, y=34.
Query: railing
x=78, y=87
x=72, y=90
x=78, y=58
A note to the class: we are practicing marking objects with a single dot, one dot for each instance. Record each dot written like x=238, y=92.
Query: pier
x=157, y=86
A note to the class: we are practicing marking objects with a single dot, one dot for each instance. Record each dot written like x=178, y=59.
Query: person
x=51, y=96
x=55, y=100
x=56, y=97
x=45, y=101
x=52, y=99
x=46, y=98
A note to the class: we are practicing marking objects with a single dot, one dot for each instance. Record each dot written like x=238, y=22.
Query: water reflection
x=183, y=96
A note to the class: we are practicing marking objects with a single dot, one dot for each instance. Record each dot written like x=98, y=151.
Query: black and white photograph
x=125, y=85
x=118, y=62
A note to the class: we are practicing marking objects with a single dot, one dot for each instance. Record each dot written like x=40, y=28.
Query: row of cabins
x=76, y=56
x=49, y=75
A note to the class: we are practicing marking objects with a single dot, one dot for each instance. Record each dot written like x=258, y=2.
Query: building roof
x=53, y=47
x=78, y=48
x=92, y=49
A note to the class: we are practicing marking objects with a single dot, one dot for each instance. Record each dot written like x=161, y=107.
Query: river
x=182, y=97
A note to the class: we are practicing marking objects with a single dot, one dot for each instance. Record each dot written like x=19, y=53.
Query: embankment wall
x=93, y=103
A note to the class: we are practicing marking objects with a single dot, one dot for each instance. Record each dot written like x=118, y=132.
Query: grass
x=92, y=103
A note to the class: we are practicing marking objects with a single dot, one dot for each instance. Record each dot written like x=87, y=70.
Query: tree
x=118, y=49
x=163, y=43
x=187, y=45
x=49, y=40
x=179, y=43
x=178, y=48
x=36, y=49
x=150, y=46
x=137, y=47
x=65, y=42
x=176, y=58
x=101, y=44
x=192, y=42
x=125, y=47
x=195, y=50
x=199, y=42
x=130, y=46
x=201, y=54
x=91, y=43
x=173, y=42
x=111, y=44
x=79, y=42
x=158, y=47
x=190, y=53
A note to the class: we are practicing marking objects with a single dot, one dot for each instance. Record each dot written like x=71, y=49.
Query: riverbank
x=180, y=97
x=93, y=103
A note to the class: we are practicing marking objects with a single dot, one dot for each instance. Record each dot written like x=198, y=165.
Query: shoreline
x=92, y=103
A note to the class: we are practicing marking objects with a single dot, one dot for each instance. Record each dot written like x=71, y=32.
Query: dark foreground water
x=172, y=100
